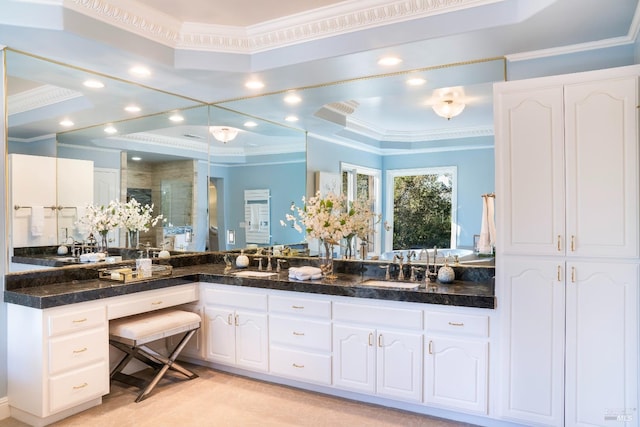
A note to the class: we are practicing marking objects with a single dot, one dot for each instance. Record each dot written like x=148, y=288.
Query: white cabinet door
x=221, y=335
x=602, y=343
x=456, y=373
x=602, y=168
x=399, y=365
x=354, y=358
x=252, y=340
x=531, y=374
x=530, y=173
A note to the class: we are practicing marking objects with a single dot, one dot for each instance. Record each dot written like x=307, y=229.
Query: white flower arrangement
x=101, y=219
x=331, y=219
x=135, y=217
x=131, y=215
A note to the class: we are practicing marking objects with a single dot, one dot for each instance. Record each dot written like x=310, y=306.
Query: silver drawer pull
x=456, y=323
x=298, y=366
x=82, y=350
x=78, y=387
x=156, y=302
x=298, y=334
x=298, y=307
x=84, y=319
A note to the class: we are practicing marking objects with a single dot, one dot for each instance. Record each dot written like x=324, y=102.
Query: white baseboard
x=4, y=408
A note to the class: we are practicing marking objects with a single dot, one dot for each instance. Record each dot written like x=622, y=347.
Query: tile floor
x=221, y=399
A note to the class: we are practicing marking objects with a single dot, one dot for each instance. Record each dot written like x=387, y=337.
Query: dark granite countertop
x=51, y=288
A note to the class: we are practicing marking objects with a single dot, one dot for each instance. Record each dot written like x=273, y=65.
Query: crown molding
x=369, y=130
x=630, y=38
x=39, y=97
x=146, y=138
x=329, y=21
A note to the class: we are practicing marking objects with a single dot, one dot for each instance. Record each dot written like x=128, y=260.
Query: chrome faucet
x=387, y=276
x=400, y=259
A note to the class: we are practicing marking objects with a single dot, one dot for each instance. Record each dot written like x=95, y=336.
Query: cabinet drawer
x=307, y=334
x=457, y=324
x=301, y=365
x=300, y=306
x=79, y=349
x=373, y=315
x=143, y=302
x=71, y=320
x=78, y=386
x=237, y=299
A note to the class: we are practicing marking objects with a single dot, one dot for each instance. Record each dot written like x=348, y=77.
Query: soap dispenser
x=446, y=273
x=242, y=260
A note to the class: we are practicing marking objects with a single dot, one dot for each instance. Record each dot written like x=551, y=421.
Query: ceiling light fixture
x=93, y=84
x=250, y=124
x=66, y=123
x=291, y=118
x=110, y=130
x=136, y=158
x=132, y=108
x=448, y=108
x=389, y=61
x=254, y=84
x=223, y=134
x=292, y=98
x=416, y=81
x=176, y=118
x=140, y=71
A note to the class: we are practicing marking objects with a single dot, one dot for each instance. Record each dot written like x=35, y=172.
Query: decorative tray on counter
x=130, y=275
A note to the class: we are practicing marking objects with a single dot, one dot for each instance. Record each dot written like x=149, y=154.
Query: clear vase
x=133, y=239
x=103, y=244
x=348, y=250
x=326, y=261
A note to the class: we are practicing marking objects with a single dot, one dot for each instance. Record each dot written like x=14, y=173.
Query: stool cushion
x=154, y=325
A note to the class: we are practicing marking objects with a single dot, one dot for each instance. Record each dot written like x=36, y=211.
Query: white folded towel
x=305, y=273
x=93, y=257
x=37, y=221
x=488, y=227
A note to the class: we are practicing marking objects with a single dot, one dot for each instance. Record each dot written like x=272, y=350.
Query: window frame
x=390, y=176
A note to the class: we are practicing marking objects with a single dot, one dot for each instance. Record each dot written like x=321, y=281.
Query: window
x=359, y=182
x=420, y=208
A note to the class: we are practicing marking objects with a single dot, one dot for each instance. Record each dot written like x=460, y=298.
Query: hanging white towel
x=37, y=221
x=484, y=243
x=491, y=218
x=254, y=221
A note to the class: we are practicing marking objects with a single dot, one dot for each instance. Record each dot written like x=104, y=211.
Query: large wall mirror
x=379, y=126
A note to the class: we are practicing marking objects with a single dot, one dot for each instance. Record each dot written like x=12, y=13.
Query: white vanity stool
x=131, y=334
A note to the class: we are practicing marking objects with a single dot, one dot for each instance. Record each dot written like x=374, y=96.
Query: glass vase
x=103, y=244
x=133, y=239
x=326, y=261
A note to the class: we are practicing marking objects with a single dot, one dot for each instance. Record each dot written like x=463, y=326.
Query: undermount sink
x=247, y=273
x=390, y=284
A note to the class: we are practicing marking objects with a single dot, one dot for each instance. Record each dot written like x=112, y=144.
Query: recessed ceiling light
x=292, y=98
x=291, y=118
x=250, y=124
x=66, y=123
x=110, y=130
x=176, y=118
x=389, y=60
x=136, y=158
x=93, y=84
x=254, y=84
x=140, y=71
x=132, y=108
x=416, y=81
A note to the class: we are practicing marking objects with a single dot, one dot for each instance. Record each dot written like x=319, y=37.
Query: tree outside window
x=420, y=208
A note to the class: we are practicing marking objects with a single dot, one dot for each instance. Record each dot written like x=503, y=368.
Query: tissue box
x=143, y=266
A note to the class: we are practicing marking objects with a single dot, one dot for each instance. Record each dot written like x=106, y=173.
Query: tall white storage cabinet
x=568, y=252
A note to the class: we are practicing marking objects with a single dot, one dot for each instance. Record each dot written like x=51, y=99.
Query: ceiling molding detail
x=370, y=131
x=342, y=18
x=158, y=140
x=39, y=97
